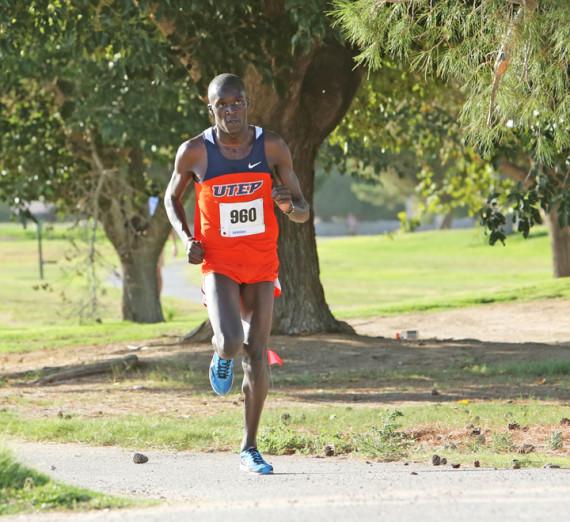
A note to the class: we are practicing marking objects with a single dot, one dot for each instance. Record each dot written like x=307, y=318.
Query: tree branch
x=101, y=172
x=513, y=171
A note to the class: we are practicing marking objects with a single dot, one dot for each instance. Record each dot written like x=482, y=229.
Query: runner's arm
x=173, y=199
x=287, y=192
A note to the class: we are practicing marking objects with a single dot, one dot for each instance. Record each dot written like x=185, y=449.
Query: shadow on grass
x=342, y=368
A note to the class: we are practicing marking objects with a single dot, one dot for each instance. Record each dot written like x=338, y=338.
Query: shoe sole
x=243, y=467
x=221, y=394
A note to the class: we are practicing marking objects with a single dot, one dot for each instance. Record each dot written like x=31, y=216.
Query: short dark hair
x=225, y=80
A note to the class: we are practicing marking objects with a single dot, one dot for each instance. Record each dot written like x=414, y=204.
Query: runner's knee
x=255, y=353
x=255, y=369
x=229, y=344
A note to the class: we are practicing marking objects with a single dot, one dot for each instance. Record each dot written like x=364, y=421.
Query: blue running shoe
x=252, y=461
x=221, y=374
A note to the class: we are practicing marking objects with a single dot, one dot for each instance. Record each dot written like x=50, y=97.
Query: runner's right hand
x=195, y=252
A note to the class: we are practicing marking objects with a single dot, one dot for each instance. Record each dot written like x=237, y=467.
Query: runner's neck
x=241, y=140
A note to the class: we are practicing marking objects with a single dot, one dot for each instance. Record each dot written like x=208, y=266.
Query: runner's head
x=228, y=103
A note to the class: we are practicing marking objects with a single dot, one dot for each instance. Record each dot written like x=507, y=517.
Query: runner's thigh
x=223, y=302
x=257, y=309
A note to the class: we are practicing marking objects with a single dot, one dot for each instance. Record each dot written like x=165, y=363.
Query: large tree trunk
x=138, y=239
x=122, y=206
x=447, y=221
x=139, y=255
x=560, y=245
x=141, y=302
x=321, y=88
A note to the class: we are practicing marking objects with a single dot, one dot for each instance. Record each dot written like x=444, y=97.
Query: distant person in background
x=351, y=224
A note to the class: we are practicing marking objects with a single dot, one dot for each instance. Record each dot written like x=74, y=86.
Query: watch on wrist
x=291, y=209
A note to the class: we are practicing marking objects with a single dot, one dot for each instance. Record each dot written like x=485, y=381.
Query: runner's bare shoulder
x=275, y=147
x=191, y=157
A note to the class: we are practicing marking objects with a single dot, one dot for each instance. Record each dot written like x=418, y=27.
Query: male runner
x=239, y=171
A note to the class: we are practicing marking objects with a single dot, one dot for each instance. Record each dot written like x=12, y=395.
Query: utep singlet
x=235, y=217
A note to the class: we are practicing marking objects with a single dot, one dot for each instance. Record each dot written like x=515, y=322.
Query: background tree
x=92, y=99
x=120, y=83
x=511, y=61
x=402, y=124
x=301, y=79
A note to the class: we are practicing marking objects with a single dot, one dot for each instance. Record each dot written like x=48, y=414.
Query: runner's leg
x=257, y=309
x=223, y=300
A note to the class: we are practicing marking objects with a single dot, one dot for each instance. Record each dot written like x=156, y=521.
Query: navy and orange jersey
x=235, y=217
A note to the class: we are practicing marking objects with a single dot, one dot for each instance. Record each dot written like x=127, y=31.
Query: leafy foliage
x=556, y=441
x=385, y=441
x=460, y=40
x=512, y=64
x=402, y=125
x=87, y=73
x=118, y=74
x=96, y=97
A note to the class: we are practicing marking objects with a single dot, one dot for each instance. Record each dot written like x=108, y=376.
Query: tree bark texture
x=139, y=256
x=138, y=239
x=560, y=245
x=447, y=221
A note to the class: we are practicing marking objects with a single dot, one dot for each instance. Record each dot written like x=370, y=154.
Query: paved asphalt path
x=210, y=487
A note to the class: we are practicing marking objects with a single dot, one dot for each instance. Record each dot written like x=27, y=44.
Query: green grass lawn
x=371, y=275
x=42, y=314
x=23, y=490
x=380, y=432
x=362, y=276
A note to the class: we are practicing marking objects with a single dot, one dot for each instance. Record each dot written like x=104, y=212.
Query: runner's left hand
x=282, y=197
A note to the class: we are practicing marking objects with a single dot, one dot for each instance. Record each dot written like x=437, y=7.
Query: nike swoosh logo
x=250, y=166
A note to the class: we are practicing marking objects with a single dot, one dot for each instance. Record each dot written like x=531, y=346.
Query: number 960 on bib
x=242, y=219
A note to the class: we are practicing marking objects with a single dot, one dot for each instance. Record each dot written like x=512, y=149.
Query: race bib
x=242, y=219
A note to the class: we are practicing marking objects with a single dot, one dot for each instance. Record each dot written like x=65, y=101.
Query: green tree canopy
x=511, y=59
x=76, y=72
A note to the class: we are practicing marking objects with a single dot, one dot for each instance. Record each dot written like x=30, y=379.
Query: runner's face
x=229, y=108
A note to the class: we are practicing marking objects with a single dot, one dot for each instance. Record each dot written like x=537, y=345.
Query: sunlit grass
x=361, y=275
x=381, y=432
x=523, y=369
x=371, y=275
x=38, y=313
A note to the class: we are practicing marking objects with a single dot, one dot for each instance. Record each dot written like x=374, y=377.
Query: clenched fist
x=282, y=197
x=195, y=252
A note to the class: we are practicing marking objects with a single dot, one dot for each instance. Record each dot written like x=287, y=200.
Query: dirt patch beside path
x=546, y=321
x=318, y=369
